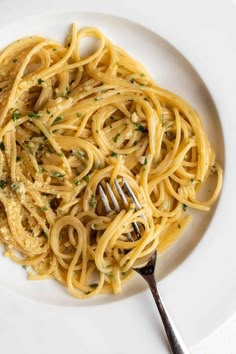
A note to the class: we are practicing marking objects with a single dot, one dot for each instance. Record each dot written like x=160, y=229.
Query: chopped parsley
x=17, y=158
x=179, y=226
x=142, y=74
x=82, y=154
x=58, y=119
x=140, y=127
x=2, y=146
x=44, y=208
x=168, y=126
x=76, y=182
x=192, y=180
x=40, y=148
x=114, y=154
x=33, y=115
x=141, y=84
x=54, y=49
x=57, y=174
x=14, y=186
x=79, y=114
x=15, y=60
x=184, y=206
x=145, y=162
x=115, y=138
x=16, y=115
x=42, y=170
x=95, y=285
x=40, y=81
x=3, y=183
x=92, y=202
x=97, y=98
x=86, y=179
x=24, y=266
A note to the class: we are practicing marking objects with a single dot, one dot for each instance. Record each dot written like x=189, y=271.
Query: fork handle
x=175, y=341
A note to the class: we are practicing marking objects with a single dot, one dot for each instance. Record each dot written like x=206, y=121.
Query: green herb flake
x=40, y=148
x=179, y=226
x=142, y=74
x=110, y=126
x=76, y=182
x=114, y=154
x=112, y=117
x=92, y=201
x=86, y=179
x=57, y=174
x=14, y=186
x=115, y=138
x=96, y=131
x=141, y=84
x=2, y=146
x=168, y=126
x=58, y=119
x=3, y=183
x=79, y=114
x=54, y=49
x=17, y=158
x=140, y=127
x=24, y=267
x=15, y=60
x=145, y=162
x=184, y=206
x=82, y=154
x=44, y=208
x=48, y=112
x=42, y=170
x=192, y=180
x=61, y=154
x=97, y=98
x=16, y=115
x=40, y=81
x=33, y=115
x=95, y=285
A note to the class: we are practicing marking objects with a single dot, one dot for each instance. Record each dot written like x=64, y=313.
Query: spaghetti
x=68, y=123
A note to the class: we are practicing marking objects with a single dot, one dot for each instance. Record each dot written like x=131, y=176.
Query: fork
x=148, y=271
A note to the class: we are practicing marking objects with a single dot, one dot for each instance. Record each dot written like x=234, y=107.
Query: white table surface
x=222, y=341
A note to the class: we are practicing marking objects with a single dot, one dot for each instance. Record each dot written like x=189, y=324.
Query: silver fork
x=148, y=271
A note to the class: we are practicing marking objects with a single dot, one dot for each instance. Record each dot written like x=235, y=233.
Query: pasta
x=68, y=123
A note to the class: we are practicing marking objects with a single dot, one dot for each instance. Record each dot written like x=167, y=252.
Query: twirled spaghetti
x=68, y=123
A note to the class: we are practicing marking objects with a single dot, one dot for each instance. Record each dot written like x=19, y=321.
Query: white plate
x=205, y=281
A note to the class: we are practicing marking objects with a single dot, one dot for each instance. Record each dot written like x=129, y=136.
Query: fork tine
x=131, y=193
x=133, y=196
x=121, y=193
x=124, y=199
x=113, y=198
x=104, y=199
